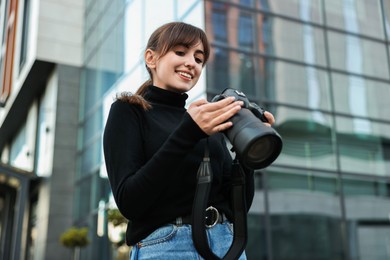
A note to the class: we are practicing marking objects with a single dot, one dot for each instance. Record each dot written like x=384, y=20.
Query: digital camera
x=256, y=144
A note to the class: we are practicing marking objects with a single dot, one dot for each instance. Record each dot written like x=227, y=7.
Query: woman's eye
x=198, y=60
x=180, y=53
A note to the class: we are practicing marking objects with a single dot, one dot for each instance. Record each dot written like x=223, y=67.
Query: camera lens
x=256, y=144
x=261, y=150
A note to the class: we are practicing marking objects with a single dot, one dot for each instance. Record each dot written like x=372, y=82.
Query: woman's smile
x=185, y=75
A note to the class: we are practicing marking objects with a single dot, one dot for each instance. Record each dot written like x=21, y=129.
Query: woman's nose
x=190, y=62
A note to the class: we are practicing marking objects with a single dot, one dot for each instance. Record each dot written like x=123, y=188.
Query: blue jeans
x=175, y=242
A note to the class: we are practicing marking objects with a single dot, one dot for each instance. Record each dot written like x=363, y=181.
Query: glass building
x=320, y=66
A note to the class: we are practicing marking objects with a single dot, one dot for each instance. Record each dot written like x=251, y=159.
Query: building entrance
x=7, y=212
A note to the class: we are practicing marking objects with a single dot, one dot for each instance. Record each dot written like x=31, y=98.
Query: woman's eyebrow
x=200, y=52
x=188, y=47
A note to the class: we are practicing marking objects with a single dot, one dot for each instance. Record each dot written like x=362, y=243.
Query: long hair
x=162, y=40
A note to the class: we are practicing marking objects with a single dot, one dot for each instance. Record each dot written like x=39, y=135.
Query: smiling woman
x=153, y=147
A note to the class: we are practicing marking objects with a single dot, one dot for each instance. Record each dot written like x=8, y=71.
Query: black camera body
x=255, y=144
x=240, y=96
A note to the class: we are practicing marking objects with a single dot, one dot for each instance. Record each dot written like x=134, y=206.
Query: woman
x=153, y=147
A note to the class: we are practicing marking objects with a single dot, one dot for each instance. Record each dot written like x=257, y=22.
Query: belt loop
x=179, y=221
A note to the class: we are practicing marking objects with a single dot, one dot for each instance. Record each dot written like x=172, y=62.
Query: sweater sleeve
x=136, y=184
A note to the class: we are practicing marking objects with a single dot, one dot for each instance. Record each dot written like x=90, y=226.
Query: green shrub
x=75, y=237
x=115, y=217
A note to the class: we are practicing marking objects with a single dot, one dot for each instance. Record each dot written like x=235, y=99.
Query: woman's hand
x=213, y=117
x=270, y=117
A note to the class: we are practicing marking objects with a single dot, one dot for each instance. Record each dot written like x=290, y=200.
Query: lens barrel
x=256, y=144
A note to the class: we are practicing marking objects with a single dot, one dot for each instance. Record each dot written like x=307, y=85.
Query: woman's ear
x=150, y=58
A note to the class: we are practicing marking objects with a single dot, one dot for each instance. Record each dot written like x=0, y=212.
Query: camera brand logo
x=240, y=93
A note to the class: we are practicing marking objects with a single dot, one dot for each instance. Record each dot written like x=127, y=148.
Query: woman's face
x=179, y=69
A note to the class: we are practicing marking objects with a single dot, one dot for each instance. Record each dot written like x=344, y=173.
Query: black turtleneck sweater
x=152, y=158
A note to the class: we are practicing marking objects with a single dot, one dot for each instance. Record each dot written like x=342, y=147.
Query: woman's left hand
x=270, y=117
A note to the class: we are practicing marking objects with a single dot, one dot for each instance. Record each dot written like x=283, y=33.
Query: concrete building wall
x=55, y=199
x=60, y=31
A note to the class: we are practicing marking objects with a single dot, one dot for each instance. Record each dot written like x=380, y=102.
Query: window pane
x=92, y=126
x=46, y=131
x=245, y=31
x=353, y=54
x=218, y=70
x=386, y=9
x=21, y=155
x=83, y=203
x=364, y=146
x=309, y=10
x=25, y=33
x=246, y=2
x=256, y=247
x=373, y=241
x=307, y=236
x=356, y=16
x=240, y=73
x=246, y=74
x=219, y=22
x=367, y=207
x=361, y=97
x=91, y=157
x=307, y=138
x=296, y=41
x=272, y=35
x=3, y=21
x=297, y=85
x=111, y=52
x=305, y=215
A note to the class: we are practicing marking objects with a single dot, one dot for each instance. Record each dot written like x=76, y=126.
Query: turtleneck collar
x=161, y=96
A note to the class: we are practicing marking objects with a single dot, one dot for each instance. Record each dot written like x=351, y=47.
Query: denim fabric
x=175, y=242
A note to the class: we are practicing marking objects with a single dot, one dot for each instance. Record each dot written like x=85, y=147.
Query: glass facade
x=321, y=67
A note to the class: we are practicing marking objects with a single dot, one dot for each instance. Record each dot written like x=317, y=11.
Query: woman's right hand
x=212, y=117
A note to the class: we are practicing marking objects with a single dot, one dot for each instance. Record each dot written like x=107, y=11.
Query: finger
x=221, y=103
x=211, y=114
x=222, y=127
x=216, y=111
x=211, y=106
x=199, y=102
x=212, y=123
x=221, y=117
x=270, y=117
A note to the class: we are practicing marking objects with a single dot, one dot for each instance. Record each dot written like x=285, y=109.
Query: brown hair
x=162, y=40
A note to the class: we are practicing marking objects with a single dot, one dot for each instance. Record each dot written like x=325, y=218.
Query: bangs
x=187, y=35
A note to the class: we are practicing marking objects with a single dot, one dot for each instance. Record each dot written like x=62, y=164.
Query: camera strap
x=199, y=235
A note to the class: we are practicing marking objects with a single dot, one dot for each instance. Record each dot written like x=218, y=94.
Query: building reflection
x=309, y=62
